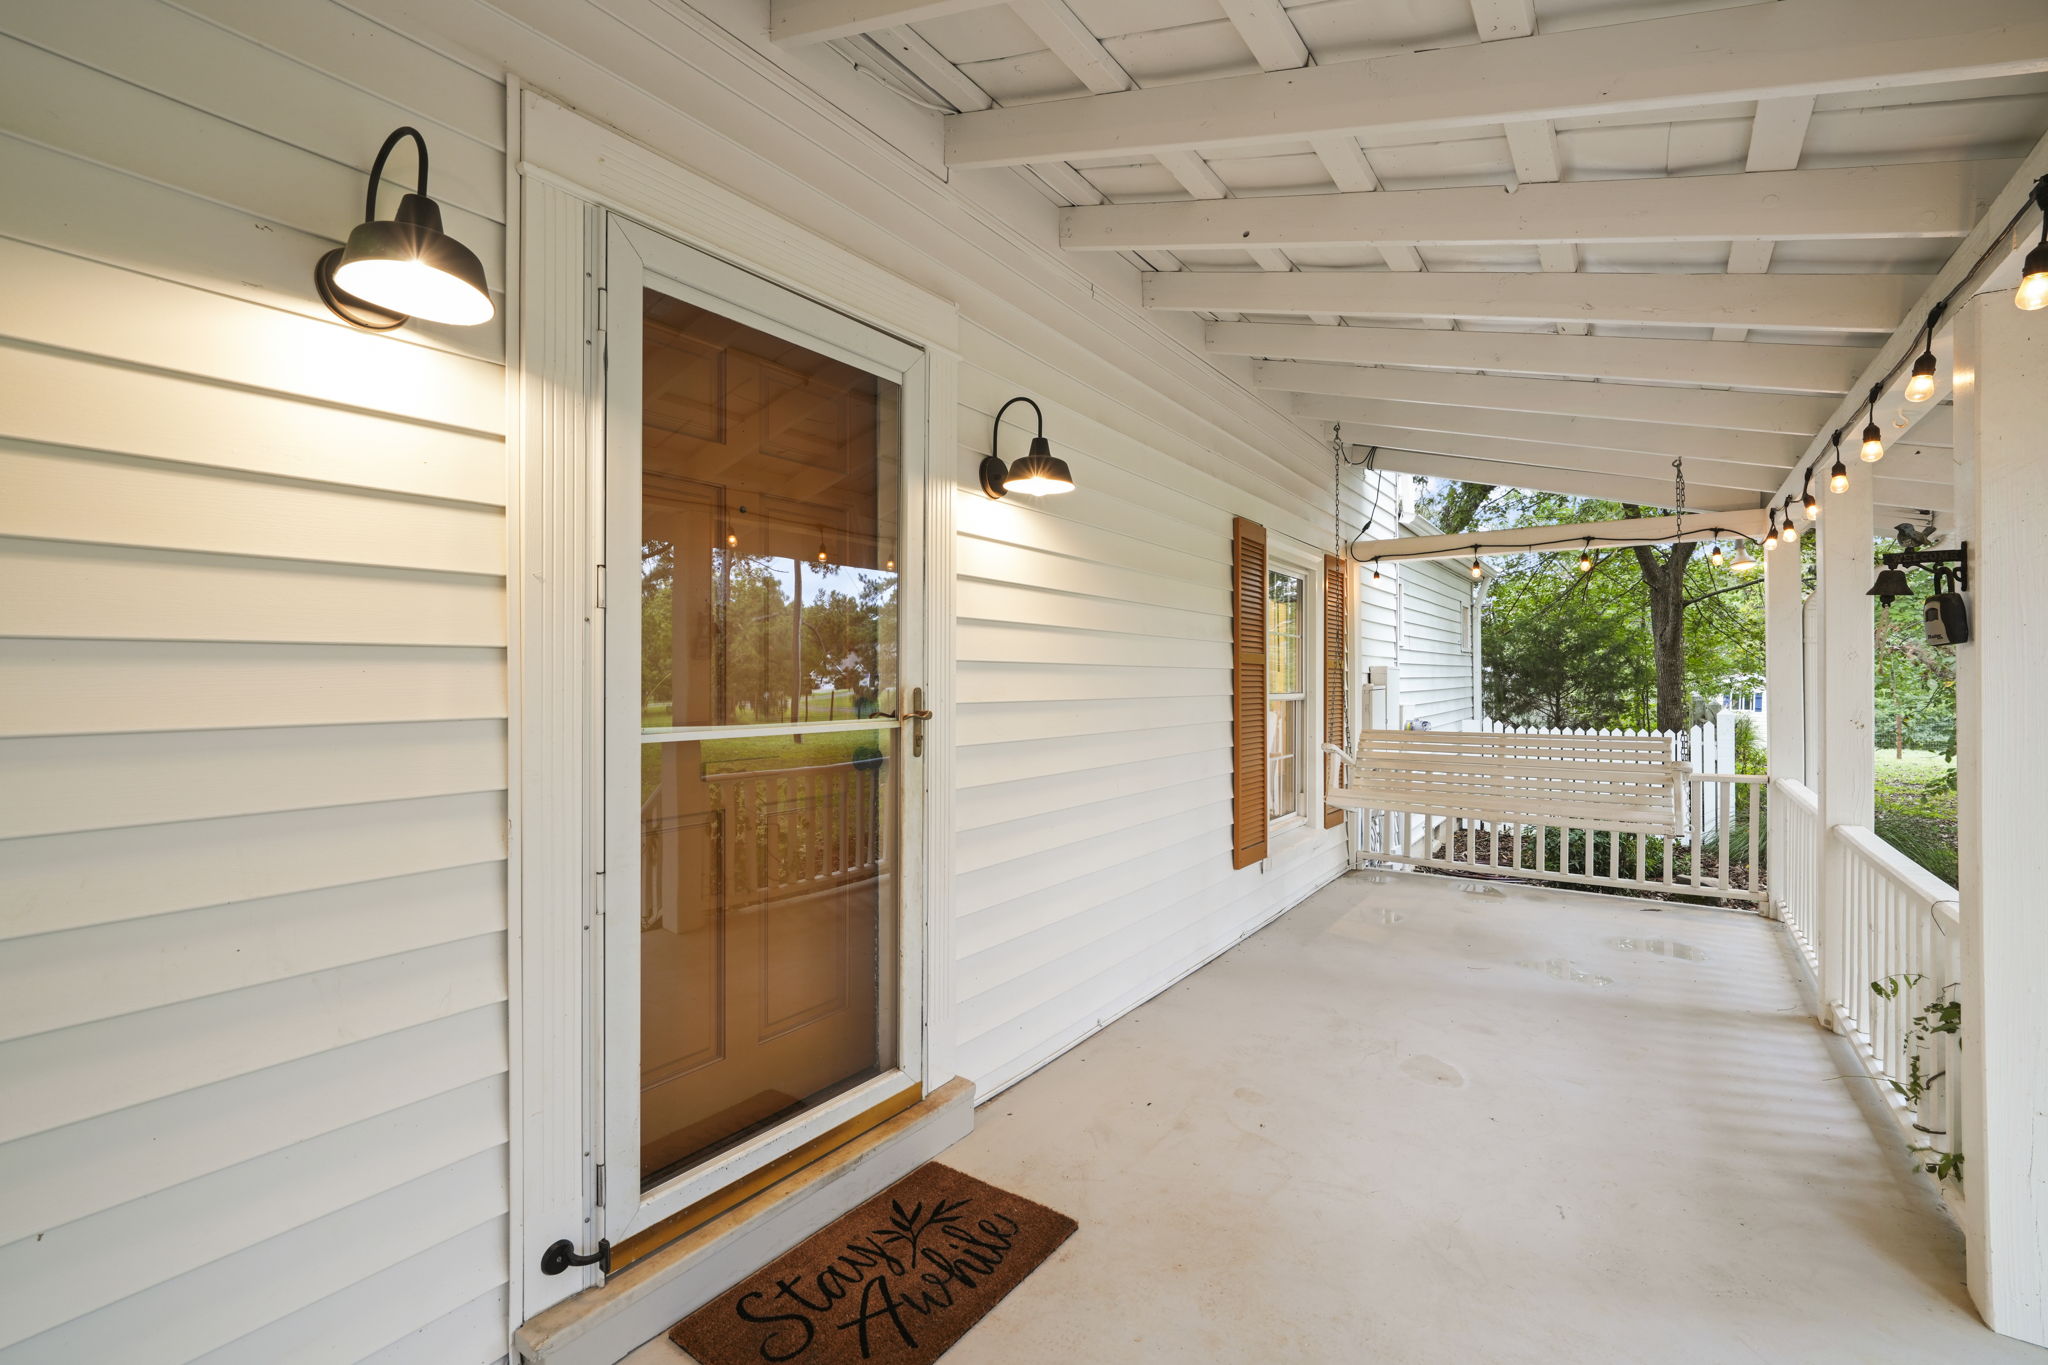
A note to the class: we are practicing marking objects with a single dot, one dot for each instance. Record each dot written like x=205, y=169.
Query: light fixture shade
x=2033, y=291
x=408, y=265
x=1891, y=583
x=1744, y=562
x=1039, y=472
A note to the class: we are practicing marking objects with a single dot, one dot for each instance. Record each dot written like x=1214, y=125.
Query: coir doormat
x=898, y=1280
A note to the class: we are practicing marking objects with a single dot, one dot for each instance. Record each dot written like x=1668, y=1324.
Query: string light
x=1807, y=500
x=1586, y=557
x=1375, y=570
x=1478, y=570
x=2033, y=291
x=1920, y=387
x=1715, y=557
x=1789, y=532
x=1873, y=439
x=1838, y=477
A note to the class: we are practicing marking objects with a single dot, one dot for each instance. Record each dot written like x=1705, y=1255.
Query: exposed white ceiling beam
x=1824, y=303
x=1745, y=365
x=1786, y=414
x=1771, y=452
x=1760, y=51
x=1927, y=199
x=1553, y=479
x=1755, y=480
x=1504, y=18
x=817, y=21
x=1074, y=43
x=929, y=65
x=1607, y=535
x=1777, y=136
x=1268, y=32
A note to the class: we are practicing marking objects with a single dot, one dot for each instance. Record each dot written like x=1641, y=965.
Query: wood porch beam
x=1736, y=364
x=1821, y=303
x=818, y=21
x=1723, y=410
x=1791, y=47
x=1552, y=479
x=1768, y=452
x=1748, y=521
x=1928, y=199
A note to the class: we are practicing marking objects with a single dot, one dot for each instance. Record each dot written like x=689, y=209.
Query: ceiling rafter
x=1823, y=303
x=1777, y=138
x=1753, y=365
x=1791, y=47
x=1718, y=409
x=1918, y=200
x=1775, y=453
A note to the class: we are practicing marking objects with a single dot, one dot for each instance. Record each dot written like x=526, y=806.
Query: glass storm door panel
x=757, y=485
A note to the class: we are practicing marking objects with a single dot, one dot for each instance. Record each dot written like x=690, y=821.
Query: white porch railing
x=1900, y=951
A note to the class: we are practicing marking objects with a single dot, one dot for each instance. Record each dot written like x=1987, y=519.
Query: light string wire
x=2039, y=196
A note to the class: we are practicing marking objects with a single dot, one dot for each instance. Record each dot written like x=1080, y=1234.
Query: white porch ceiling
x=1378, y=202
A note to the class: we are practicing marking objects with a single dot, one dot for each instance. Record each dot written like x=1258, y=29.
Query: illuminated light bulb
x=2033, y=291
x=1873, y=444
x=1745, y=563
x=1586, y=561
x=1715, y=556
x=1789, y=532
x=889, y=564
x=732, y=540
x=1920, y=387
x=1812, y=506
x=1477, y=570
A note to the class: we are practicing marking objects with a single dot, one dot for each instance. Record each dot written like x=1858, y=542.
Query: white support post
x=1785, y=702
x=1847, y=681
x=2001, y=399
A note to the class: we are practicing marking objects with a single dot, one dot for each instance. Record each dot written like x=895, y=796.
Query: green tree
x=1632, y=643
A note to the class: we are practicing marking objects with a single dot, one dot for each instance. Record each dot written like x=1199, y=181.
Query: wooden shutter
x=1248, y=694
x=1335, y=631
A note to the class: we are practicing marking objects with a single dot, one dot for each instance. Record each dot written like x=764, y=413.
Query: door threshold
x=600, y=1325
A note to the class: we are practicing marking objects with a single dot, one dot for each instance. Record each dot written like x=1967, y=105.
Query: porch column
x=1784, y=700
x=1846, y=719
x=2001, y=418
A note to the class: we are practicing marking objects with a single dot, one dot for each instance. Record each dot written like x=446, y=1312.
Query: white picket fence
x=1710, y=747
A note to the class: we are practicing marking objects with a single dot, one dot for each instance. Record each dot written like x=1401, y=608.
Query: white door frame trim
x=571, y=171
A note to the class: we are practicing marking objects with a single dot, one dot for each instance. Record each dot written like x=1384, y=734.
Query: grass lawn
x=1916, y=809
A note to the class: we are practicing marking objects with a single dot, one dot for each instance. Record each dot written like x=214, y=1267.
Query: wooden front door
x=760, y=491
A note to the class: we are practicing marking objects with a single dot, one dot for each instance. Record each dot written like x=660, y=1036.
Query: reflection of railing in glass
x=776, y=834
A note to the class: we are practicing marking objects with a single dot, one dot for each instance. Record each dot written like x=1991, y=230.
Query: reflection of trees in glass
x=657, y=625
x=1283, y=632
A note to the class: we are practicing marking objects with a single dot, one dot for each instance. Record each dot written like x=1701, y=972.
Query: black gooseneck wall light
x=395, y=269
x=1039, y=472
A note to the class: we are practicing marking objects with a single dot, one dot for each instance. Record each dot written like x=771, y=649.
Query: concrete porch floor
x=1414, y=1121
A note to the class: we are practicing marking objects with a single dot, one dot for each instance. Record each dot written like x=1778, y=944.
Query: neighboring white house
x=377, y=708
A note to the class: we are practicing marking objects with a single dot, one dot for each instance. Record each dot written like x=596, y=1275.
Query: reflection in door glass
x=770, y=489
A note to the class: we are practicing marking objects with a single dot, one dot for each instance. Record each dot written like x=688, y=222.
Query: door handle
x=915, y=718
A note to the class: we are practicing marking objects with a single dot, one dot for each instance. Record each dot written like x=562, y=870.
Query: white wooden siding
x=1433, y=648
x=252, y=646
x=1093, y=811
x=252, y=888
